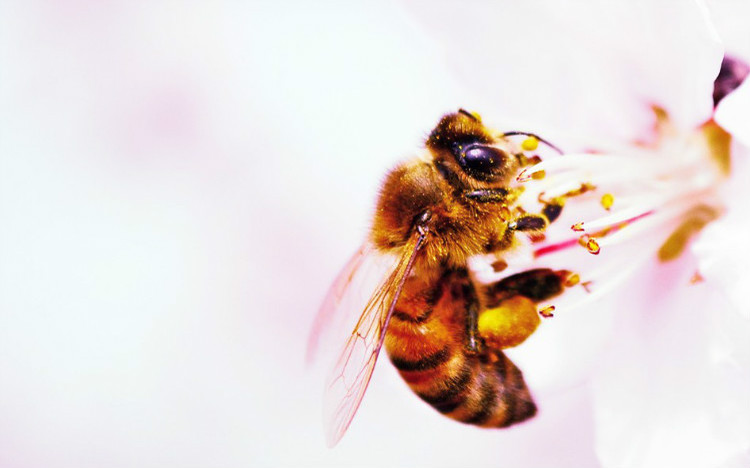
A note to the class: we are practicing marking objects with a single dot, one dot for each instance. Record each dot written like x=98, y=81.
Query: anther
x=546, y=312
x=593, y=246
x=499, y=265
x=536, y=159
x=572, y=280
x=697, y=278
x=607, y=201
x=577, y=227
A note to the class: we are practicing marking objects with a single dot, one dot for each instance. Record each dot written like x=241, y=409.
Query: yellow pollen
x=578, y=227
x=607, y=201
x=546, y=312
x=530, y=144
x=509, y=324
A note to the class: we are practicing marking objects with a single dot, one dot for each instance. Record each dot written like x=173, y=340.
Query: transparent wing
x=347, y=383
x=332, y=304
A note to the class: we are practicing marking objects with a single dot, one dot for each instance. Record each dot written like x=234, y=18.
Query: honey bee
x=442, y=329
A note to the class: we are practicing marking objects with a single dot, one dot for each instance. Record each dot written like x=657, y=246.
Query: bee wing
x=332, y=303
x=347, y=383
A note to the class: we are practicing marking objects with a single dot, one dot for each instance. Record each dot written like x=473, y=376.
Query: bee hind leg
x=538, y=284
x=510, y=312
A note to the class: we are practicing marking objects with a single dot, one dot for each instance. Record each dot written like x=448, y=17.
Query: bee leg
x=537, y=285
x=552, y=210
x=490, y=195
x=528, y=222
x=473, y=328
x=467, y=290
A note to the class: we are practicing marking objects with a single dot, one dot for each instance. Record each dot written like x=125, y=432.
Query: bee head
x=461, y=139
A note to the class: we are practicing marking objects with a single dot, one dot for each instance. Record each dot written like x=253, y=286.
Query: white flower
x=652, y=334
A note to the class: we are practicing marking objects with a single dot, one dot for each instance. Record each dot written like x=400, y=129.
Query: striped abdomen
x=428, y=342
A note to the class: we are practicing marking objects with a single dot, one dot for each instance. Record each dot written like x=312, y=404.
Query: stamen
x=587, y=161
x=572, y=280
x=548, y=249
x=538, y=175
x=525, y=175
x=619, y=218
x=656, y=186
x=546, y=312
x=593, y=246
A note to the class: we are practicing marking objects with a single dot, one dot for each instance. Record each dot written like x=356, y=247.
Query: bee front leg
x=553, y=208
x=489, y=195
x=528, y=222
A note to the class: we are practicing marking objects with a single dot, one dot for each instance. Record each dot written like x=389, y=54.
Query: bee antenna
x=535, y=136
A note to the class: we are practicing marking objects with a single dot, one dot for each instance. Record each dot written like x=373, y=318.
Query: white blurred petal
x=668, y=394
x=723, y=249
x=730, y=18
x=733, y=113
x=588, y=69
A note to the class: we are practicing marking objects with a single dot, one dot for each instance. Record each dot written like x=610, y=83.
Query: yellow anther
x=593, y=246
x=538, y=175
x=578, y=227
x=572, y=280
x=607, y=200
x=546, y=312
x=530, y=144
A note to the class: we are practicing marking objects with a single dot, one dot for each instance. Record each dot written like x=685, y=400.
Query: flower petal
x=669, y=395
x=733, y=113
x=582, y=68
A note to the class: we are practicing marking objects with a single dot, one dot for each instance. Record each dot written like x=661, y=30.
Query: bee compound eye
x=482, y=160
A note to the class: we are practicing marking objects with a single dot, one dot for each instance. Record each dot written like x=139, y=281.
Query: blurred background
x=179, y=184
